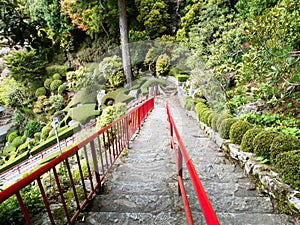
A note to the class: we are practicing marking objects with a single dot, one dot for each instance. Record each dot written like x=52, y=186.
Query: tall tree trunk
x=124, y=41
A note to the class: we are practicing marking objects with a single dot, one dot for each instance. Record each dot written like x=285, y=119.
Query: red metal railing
x=91, y=159
x=180, y=154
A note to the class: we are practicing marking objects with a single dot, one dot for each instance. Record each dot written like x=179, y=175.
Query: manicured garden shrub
x=110, y=113
x=188, y=102
x=56, y=76
x=31, y=128
x=247, y=140
x=149, y=83
x=83, y=112
x=221, y=118
x=262, y=143
x=209, y=119
x=237, y=131
x=23, y=148
x=201, y=113
x=163, y=65
x=205, y=115
x=117, y=79
x=55, y=84
x=224, y=128
x=182, y=77
x=61, y=88
x=283, y=143
x=17, y=142
x=37, y=136
x=12, y=135
x=40, y=92
x=287, y=165
x=199, y=106
x=60, y=69
x=214, y=122
x=45, y=131
x=47, y=83
x=8, y=149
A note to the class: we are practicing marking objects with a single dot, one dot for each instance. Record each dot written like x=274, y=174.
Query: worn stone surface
x=142, y=188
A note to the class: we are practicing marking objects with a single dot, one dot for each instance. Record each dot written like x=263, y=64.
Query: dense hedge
x=283, y=143
x=287, y=165
x=214, y=122
x=262, y=143
x=247, y=140
x=221, y=118
x=225, y=127
x=237, y=131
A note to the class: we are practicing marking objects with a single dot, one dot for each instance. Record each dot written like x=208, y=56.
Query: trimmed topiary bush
x=283, y=143
x=182, y=77
x=12, y=135
x=32, y=127
x=224, y=128
x=247, y=140
x=188, y=102
x=60, y=69
x=262, y=143
x=209, y=118
x=237, y=131
x=205, y=115
x=40, y=92
x=47, y=83
x=45, y=131
x=17, y=142
x=117, y=79
x=221, y=118
x=214, y=121
x=56, y=76
x=287, y=165
x=55, y=84
x=62, y=88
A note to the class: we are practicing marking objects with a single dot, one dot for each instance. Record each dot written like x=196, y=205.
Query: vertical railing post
x=127, y=131
x=179, y=169
x=96, y=167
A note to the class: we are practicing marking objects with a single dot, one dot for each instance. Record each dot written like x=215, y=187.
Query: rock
x=134, y=93
x=253, y=107
x=100, y=95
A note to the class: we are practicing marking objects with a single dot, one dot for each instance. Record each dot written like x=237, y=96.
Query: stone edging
x=263, y=175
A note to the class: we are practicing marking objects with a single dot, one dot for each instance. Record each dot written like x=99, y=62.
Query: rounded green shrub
x=117, y=79
x=247, y=140
x=12, y=135
x=8, y=149
x=37, y=136
x=56, y=76
x=163, y=64
x=40, y=92
x=287, y=165
x=201, y=113
x=205, y=115
x=62, y=88
x=209, y=118
x=182, y=77
x=221, y=118
x=55, y=84
x=283, y=143
x=17, y=142
x=262, y=143
x=188, y=102
x=47, y=83
x=237, y=131
x=32, y=127
x=214, y=122
x=225, y=127
x=23, y=147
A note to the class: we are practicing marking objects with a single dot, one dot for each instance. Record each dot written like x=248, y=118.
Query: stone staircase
x=142, y=187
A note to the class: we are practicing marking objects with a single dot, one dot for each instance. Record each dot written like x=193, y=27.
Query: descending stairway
x=142, y=188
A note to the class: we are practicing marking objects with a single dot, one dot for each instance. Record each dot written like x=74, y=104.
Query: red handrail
x=99, y=151
x=179, y=153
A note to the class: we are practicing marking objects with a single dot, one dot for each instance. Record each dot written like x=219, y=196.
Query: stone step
x=127, y=203
x=109, y=218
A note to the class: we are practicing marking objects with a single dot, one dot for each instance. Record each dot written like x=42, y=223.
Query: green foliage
x=283, y=143
x=237, y=131
x=12, y=135
x=47, y=83
x=83, y=96
x=56, y=69
x=262, y=143
x=56, y=76
x=163, y=65
x=254, y=7
x=287, y=164
x=25, y=66
x=61, y=89
x=154, y=16
x=56, y=102
x=214, y=122
x=83, y=112
x=221, y=118
x=55, y=85
x=188, y=102
x=117, y=96
x=182, y=78
x=31, y=128
x=109, y=66
x=117, y=79
x=17, y=142
x=247, y=140
x=40, y=92
x=8, y=149
x=225, y=126
x=110, y=113
x=45, y=131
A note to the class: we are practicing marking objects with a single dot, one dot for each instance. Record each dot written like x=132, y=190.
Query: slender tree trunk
x=124, y=41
